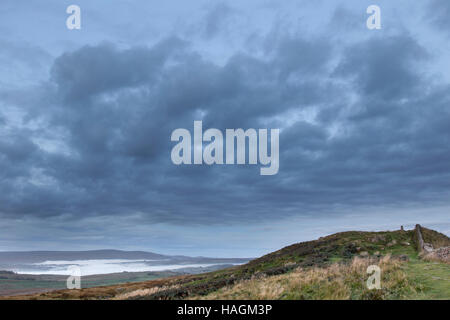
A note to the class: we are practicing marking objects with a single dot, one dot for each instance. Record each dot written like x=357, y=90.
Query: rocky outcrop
x=428, y=247
x=419, y=238
x=441, y=254
x=427, y=251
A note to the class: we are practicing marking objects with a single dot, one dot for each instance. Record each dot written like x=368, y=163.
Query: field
x=11, y=284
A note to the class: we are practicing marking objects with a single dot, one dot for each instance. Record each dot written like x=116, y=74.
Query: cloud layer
x=364, y=122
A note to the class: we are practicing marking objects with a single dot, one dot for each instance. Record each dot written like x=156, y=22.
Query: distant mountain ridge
x=41, y=256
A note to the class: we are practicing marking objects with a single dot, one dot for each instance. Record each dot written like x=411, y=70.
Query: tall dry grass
x=142, y=292
x=336, y=282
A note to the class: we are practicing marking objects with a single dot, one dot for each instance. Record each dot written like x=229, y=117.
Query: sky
x=86, y=118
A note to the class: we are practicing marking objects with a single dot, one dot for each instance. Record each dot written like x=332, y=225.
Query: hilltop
x=332, y=267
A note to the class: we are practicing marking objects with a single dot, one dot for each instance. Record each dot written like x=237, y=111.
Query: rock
x=364, y=254
x=428, y=247
x=403, y=257
x=392, y=243
x=378, y=238
x=377, y=253
x=442, y=254
x=289, y=264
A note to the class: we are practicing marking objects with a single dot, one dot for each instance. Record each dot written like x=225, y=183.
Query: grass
x=432, y=279
x=339, y=281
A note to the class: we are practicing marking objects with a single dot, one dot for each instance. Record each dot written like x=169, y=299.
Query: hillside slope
x=332, y=267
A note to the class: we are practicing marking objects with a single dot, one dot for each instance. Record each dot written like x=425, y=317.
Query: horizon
x=411, y=226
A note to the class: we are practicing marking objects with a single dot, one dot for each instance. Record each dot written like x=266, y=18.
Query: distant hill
x=332, y=267
x=41, y=256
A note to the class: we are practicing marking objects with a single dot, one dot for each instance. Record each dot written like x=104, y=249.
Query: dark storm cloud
x=93, y=70
x=438, y=13
x=380, y=134
x=384, y=67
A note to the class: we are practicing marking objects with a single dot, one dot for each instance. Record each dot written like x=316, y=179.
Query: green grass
x=433, y=279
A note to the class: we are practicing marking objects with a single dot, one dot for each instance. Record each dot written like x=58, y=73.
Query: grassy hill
x=332, y=267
